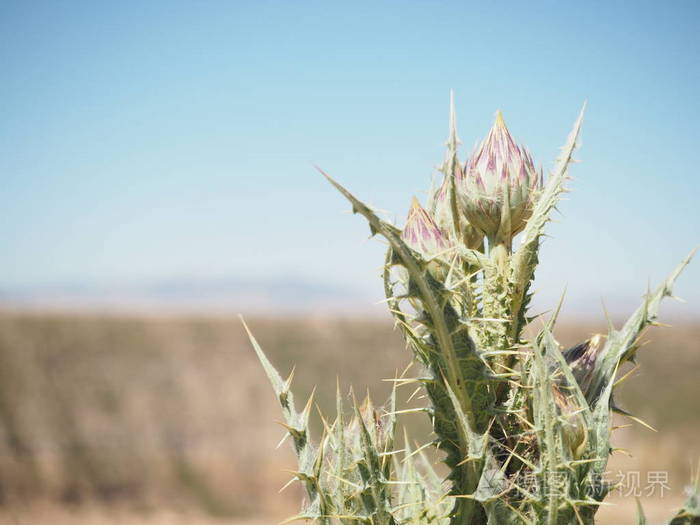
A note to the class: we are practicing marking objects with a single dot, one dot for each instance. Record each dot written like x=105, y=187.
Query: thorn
x=453, y=141
x=499, y=119
x=626, y=376
x=623, y=451
x=638, y=420
x=290, y=378
x=287, y=485
x=418, y=389
x=284, y=438
x=307, y=409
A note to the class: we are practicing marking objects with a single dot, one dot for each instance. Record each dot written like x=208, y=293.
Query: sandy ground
x=619, y=511
x=167, y=414
x=49, y=515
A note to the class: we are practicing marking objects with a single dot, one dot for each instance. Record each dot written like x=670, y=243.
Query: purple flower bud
x=582, y=359
x=499, y=182
x=422, y=234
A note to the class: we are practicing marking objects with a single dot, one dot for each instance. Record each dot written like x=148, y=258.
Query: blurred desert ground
x=168, y=419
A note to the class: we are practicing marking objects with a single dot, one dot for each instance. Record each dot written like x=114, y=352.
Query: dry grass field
x=165, y=420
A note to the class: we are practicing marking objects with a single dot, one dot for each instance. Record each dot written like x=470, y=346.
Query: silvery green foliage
x=523, y=427
x=354, y=474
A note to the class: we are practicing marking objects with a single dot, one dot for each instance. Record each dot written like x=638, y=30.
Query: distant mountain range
x=287, y=296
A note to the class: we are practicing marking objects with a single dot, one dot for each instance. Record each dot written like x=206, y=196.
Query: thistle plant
x=523, y=426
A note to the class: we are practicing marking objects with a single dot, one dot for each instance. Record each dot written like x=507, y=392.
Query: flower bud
x=582, y=359
x=422, y=234
x=499, y=185
x=574, y=431
x=441, y=211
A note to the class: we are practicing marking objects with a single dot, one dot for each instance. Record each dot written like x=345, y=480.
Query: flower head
x=498, y=185
x=582, y=359
x=422, y=234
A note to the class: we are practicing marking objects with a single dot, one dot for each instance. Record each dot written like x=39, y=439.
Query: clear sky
x=154, y=140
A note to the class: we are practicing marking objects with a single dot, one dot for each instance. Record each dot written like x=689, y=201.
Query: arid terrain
x=170, y=420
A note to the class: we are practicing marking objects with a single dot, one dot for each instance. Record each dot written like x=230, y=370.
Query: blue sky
x=144, y=141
